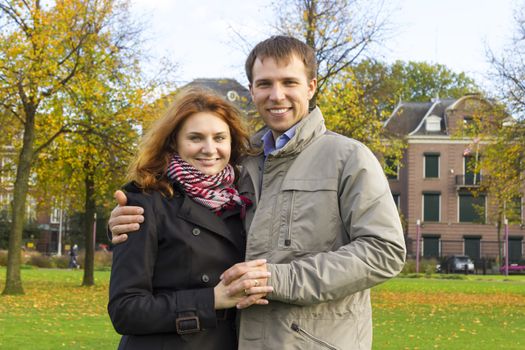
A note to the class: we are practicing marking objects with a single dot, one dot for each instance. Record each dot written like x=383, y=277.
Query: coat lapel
x=195, y=213
x=251, y=181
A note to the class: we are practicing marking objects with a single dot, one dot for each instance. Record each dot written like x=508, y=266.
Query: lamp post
x=59, y=249
x=60, y=228
x=506, y=247
x=418, y=229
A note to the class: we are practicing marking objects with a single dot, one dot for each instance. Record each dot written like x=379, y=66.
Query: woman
x=165, y=289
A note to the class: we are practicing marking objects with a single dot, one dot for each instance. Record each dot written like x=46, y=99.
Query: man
x=324, y=220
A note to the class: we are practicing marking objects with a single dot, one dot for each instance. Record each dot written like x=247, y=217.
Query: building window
x=391, y=169
x=468, y=120
x=431, y=247
x=396, y=197
x=515, y=249
x=5, y=202
x=473, y=246
x=55, y=216
x=515, y=210
x=431, y=206
x=433, y=123
x=471, y=176
x=471, y=209
x=431, y=165
x=7, y=171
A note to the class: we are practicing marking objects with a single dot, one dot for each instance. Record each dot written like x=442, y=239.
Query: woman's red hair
x=148, y=170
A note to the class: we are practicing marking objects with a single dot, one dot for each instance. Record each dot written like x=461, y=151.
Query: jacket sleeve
x=376, y=249
x=134, y=306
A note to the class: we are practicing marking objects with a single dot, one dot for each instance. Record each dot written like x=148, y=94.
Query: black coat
x=162, y=278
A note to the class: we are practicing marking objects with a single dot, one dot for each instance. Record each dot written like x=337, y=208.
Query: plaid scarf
x=215, y=192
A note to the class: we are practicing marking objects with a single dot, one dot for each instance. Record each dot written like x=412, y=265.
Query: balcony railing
x=469, y=180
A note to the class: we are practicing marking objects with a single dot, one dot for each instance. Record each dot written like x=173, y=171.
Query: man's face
x=281, y=92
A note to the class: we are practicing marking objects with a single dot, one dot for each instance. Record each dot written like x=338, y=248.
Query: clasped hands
x=242, y=285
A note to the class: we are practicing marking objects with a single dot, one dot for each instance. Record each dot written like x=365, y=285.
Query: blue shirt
x=269, y=145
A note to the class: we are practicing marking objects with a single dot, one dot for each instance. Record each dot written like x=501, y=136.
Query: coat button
x=205, y=278
x=196, y=232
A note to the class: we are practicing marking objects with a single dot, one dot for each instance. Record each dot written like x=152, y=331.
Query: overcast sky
x=200, y=35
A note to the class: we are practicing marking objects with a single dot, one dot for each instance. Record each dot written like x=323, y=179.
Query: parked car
x=456, y=263
x=513, y=268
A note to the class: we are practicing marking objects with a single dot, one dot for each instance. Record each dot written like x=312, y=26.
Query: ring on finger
x=246, y=292
x=256, y=283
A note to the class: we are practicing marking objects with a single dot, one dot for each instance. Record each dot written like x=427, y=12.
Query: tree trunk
x=89, y=260
x=13, y=283
x=311, y=23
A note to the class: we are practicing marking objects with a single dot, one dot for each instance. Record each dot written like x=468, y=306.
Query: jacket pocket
x=311, y=338
x=308, y=215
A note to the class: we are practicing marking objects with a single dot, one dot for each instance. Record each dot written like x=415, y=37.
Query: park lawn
x=56, y=312
x=478, y=312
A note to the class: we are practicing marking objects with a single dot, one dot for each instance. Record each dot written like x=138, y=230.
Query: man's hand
x=246, y=278
x=226, y=298
x=124, y=219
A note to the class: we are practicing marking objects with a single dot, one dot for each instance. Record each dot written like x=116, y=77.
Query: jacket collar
x=307, y=130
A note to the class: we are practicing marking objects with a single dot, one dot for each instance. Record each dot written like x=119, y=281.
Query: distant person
x=324, y=216
x=73, y=254
x=165, y=291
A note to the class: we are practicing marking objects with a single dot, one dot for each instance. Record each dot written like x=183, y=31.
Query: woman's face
x=204, y=141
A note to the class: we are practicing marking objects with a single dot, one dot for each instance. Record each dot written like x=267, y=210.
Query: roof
x=409, y=117
x=230, y=89
x=406, y=117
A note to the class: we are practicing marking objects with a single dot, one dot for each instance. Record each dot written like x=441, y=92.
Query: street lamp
x=418, y=232
x=506, y=247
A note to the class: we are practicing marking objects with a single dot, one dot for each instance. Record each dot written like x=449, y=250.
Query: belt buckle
x=181, y=328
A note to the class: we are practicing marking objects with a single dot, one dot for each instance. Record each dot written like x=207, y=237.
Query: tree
x=348, y=110
x=509, y=69
x=41, y=51
x=504, y=156
x=360, y=99
x=385, y=85
x=108, y=102
x=340, y=31
x=498, y=156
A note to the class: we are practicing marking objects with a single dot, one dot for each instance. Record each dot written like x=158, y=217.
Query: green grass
x=476, y=312
x=472, y=312
x=56, y=312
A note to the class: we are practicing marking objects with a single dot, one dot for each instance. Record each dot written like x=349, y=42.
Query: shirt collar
x=268, y=142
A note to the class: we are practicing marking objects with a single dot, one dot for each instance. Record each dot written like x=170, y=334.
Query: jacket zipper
x=295, y=327
x=288, y=240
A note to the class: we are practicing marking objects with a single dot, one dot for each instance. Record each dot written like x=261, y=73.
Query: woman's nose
x=208, y=146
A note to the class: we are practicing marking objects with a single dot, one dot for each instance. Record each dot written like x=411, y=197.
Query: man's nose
x=277, y=93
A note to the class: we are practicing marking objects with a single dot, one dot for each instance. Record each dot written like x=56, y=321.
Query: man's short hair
x=282, y=48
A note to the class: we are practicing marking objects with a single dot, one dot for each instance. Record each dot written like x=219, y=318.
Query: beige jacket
x=328, y=225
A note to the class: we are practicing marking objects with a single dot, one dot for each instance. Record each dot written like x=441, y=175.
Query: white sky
x=200, y=36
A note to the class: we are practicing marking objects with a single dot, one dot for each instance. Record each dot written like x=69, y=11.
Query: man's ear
x=312, y=86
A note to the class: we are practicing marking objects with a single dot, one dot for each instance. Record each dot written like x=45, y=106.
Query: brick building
x=434, y=183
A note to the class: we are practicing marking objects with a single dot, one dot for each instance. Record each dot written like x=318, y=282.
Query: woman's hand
x=248, y=286
x=247, y=283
